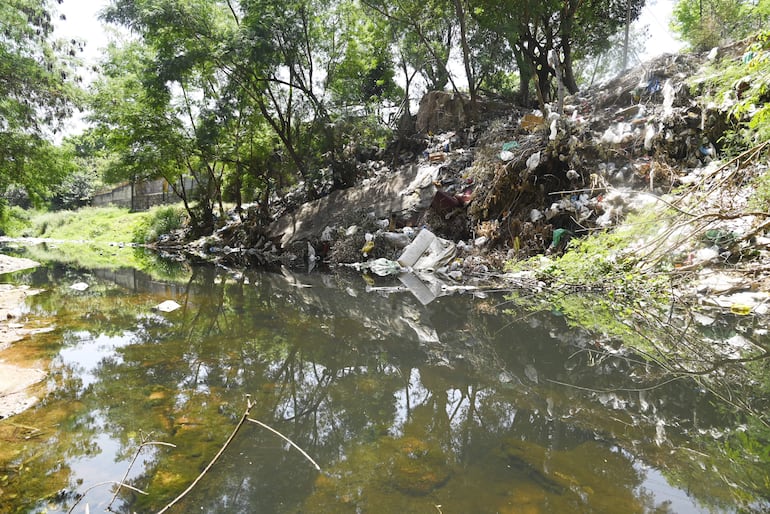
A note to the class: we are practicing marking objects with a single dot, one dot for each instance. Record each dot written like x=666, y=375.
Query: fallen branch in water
x=119, y=484
x=184, y=493
x=276, y=432
x=144, y=443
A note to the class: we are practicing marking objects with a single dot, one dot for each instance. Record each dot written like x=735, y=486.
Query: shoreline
x=15, y=378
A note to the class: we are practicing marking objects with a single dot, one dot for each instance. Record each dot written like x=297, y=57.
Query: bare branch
x=276, y=432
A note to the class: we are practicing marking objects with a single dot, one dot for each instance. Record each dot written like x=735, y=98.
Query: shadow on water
x=454, y=406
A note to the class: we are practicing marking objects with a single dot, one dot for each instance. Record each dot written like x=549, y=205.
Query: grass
x=97, y=237
x=95, y=224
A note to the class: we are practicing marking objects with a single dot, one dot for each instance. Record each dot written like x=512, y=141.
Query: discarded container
x=506, y=154
x=167, y=306
x=533, y=161
x=427, y=252
x=79, y=286
x=510, y=145
x=438, y=255
x=416, y=248
x=443, y=202
x=740, y=309
x=384, y=267
x=418, y=288
x=561, y=236
x=531, y=122
x=396, y=239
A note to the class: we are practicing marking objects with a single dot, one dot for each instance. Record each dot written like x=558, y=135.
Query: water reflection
x=452, y=406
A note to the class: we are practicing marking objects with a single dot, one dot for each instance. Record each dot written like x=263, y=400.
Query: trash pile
x=513, y=184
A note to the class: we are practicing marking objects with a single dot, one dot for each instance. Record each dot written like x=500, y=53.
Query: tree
x=425, y=32
x=547, y=37
x=146, y=133
x=705, y=24
x=267, y=50
x=37, y=92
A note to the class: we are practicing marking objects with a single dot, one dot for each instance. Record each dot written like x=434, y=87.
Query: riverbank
x=16, y=376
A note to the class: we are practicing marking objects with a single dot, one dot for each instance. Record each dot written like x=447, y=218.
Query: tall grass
x=95, y=224
x=159, y=220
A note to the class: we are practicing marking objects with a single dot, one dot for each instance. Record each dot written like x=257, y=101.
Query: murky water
x=456, y=406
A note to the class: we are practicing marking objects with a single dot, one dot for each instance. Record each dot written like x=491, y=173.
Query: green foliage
x=75, y=190
x=599, y=259
x=159, y=221
x=574, y=30
x=705, y=24
x=742, y=90
x=598, y=284
x=37, y=167
x=98, y=224
x=38, y=85
x=37, y=92
x=47, y=223
x=361, y=71
x=760, y=199
x=14, y=221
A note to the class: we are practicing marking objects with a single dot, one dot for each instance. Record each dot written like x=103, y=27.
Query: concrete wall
x=146, y=194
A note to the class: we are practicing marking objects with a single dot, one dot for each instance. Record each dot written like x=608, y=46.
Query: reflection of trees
x=406, y=407
x=698, y=376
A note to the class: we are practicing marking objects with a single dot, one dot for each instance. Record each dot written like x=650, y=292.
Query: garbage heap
x=512, y=184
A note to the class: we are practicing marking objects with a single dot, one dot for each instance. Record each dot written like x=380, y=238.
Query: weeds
x=159, y=221
x=741, y=87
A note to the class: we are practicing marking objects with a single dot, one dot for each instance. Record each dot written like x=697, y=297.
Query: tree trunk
x=525, y=75
x=569, y=76
x=466, y=58
x=565, y=32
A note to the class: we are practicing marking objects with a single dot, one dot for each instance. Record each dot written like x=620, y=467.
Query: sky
x=657, y=16
x=81, y=22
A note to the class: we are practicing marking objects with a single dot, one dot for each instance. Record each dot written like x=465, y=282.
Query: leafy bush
x=75, y=191
x=14, y=221
x=760, y=199
x=160, y=220
x=742, y=88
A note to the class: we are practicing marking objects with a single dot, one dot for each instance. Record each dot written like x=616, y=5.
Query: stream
x=466, y=404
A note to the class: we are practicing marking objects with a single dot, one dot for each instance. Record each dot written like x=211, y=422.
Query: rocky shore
x=15, y=377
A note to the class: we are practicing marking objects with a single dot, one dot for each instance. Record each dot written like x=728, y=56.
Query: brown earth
x=16, y=377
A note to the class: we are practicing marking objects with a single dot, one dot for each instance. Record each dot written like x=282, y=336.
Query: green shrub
x=15, y=221
x=743, y=85
x=159, y=221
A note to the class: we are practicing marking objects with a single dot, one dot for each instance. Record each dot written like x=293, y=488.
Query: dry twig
x=276, y=432
x=184, y=493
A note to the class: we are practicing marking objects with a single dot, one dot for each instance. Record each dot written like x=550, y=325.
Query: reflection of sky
x=84, y=357
x=103, y=465
x=676, y=499
x=105, y=462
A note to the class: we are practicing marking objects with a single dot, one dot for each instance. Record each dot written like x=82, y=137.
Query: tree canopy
x=245, y=97
x=38, y=88
x=705, y=24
